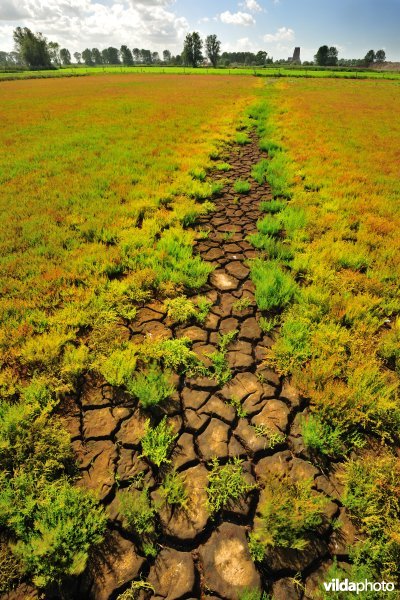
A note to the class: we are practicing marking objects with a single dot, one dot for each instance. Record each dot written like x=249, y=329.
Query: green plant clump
x=151, y=387
x=289, y=513
x=157, y=442
x=273, y=206
x=227, y=484
x=173, y=490
x=220, y=369
x=241, y=187
x=275, y=289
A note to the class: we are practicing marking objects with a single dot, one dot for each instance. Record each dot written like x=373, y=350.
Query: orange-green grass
x=100, y=177
x=334, y=156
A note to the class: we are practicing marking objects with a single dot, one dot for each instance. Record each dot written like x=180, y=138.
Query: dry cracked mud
x=200, y=556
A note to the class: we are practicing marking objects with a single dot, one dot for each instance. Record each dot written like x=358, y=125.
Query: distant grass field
x=334, y=150
x=306, y=72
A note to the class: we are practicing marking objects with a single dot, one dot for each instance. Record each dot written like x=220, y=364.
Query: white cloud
x=252, y=5
x=79, y=24
x=239, y=18
x=243, y=44
x=282, y=34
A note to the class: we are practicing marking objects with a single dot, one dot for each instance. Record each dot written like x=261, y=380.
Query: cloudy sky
x=354, y=26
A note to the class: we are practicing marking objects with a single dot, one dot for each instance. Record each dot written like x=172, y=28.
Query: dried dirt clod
x=132, y=430
x=227, y=565
x=250, y=330
x=241, y=386
x=172, y=575
x=279, y=559
x=99, y=476
x=277, y=464
x=237, y=269
x=223, y=281
x=195, y=334
x=187, y=523
x=302, y=470
x=194, y=398
x=114, y=565
x=184, y=451
x=214, y=440
x=99, y=423
x=286, y=589
x=274, y=416
x=343, y=537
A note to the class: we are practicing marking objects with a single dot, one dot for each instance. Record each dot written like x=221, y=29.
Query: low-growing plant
x=322, y=438
x=238, y=406
x=273, y=247
x=133, y=592
x=220, y=369
x=259, y=171
x=120, y=365
x=241, y=187
x=151, y=387
x=203, y=308
x=273, y=206
x=223, y=166
x=173, y=490
x=228, y=235
x=137, y=510
x=227, y=484
x=267, y=325
x=274, y=288
x=242, y=139
x=174, y=355
x=180, y=309
x=293, y=347
x=157, y=442
x=273, y=438
x=242, y=303
x=269, y=226
x=253, y=594
x=289, y=513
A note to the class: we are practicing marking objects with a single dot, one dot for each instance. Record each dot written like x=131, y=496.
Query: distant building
x=296, y=56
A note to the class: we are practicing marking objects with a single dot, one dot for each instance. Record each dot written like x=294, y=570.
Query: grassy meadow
x=99, y=176
x=334, y=159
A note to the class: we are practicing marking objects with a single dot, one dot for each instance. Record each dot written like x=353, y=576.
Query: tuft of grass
x=242, y=139
x=275, y=289
x=241, y=187
x=157, y=442
x=173, y=490
x=220, y=369
x=151, y=387
x=289, y=513
x=273, y=206
x=237, y=405
x=227, y=484
x=223, y=166
x=269, y=226
x=260, y=170
x=242, y=303
x=320, y=437
x=180, y=309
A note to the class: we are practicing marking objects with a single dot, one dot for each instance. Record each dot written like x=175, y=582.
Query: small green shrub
x=220, y=369
x=259, y=171
x=274, y=248
x=241, y=187
x=242, y=303
x=137, y=511
x=293, y=220
x=180, y=309
x=157, y=442
x=269, y=225
x=203, y=308
x=357, y=262
x=273, y=438
x=223, y=166
x=151, y=387
x=273, y=206
x=174, y=355
x=289, y=512
x=267, y=325
x=227, y=484
x=242, y=139
x=320, y=437
x=274, y=288
x=119, y=366
x=293, y=347
x=173, y=490
x=237, y=405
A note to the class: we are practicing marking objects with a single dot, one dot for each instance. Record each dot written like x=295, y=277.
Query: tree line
x=33, y=50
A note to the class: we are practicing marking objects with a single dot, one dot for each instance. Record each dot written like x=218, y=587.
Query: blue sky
x=354, y=26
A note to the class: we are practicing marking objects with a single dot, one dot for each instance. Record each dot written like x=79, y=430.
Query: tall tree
x=380, y=56
x=105, y=57
x=32, y=48
x=145, y=56
x=332, y=56
x=369, y=58
x=65, y=56
x=192, y=49
x=96, y=56
x=87, y=57
x=155, y=57
x=136, y=55
x=77, y=57
x=166, y=56
x=126, y=56
x=261, y=57
x=321, y=58
x=213, y=47
x=113, y=56
x=54, y=51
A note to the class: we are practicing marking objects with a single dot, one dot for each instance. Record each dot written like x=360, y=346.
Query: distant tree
x=145, y=56
x=65, y=56
x=321, y=58
x=332, y=56
x=166, y=56
x=104, y=56
x=77, y=57
x=136, y=55
x=192, y=49
x=54, y=51
x=369, y=58
x=380, y=56
x=155, y=57
x=213, y=47
x=96, y=56
x=32, y=48
x=126, y=56
x=113, y=56
x=261, y=57
x=87, y=57
x=177, y=60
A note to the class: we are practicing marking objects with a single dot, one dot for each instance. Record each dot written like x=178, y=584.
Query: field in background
x=346, y=73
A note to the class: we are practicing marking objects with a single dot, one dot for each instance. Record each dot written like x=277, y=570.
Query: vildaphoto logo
x=337, y=585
